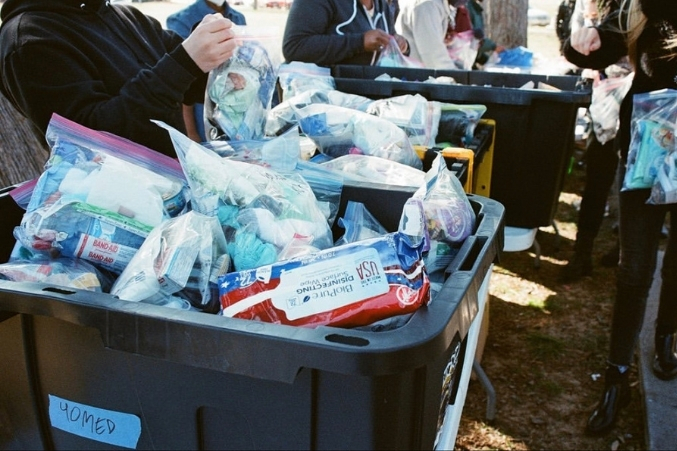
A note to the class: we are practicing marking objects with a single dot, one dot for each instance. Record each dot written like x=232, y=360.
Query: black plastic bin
x=534, y=128
x=118, y=374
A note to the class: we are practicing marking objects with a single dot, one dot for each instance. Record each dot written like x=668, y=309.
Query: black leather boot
x=665, y=359
x=616, y=396
x=576, y=269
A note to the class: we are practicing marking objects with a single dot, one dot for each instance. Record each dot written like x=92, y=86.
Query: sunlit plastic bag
x=414, y=114
x=239, y=91
x=99, y=197
x=282, y=116
x=463, y=49
x=607, y=95
x=448, y=212
x=282, y=155
x=339, y=131
x=64, y=272
x=297, y=77
x=182, y=258
x=392, y=56
x=651, y=137
x=262, y=211
x=358, y=224
x=366, y=168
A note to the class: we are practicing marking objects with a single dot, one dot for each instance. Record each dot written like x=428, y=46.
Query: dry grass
x=546, y=347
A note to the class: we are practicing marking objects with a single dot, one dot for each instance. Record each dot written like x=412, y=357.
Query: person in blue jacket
x=183, y=22
x=329, y=32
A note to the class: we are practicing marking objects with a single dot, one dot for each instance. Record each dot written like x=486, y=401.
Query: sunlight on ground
x=482, y=436
x=511, y=288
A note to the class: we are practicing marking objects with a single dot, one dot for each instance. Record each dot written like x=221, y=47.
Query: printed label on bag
x=101, y=425
x=330, y=284
x=97, y=250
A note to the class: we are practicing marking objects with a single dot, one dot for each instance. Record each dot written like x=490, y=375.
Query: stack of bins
x=85, y=370
x=534, y=127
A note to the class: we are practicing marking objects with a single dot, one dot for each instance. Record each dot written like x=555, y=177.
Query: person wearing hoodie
x=183, y=21
x=329, y=32
x=425, y=24
x=106, y=66
x=645, y=31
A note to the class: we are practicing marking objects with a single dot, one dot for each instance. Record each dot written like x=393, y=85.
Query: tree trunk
x=22, y=152
x=506, y=22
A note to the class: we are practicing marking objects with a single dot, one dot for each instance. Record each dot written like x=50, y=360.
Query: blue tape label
x=101, y=425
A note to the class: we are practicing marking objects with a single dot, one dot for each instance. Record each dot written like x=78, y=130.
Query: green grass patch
x=545, y=347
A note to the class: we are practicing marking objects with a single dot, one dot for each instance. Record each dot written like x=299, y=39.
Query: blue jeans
x=640, y=233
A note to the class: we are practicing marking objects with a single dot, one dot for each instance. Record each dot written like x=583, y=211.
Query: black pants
x=640, y=233
x=601, y=167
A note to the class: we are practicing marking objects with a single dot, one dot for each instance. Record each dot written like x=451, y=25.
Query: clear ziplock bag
x=282, y=155
x=359, y=224
x=366, y=168
x=261, y=210
x=664, y=189
x=651, y=137
x=392, y=56
x=449, y=215
x=282, y=116
x=240, y=91
x=296, y=77
x=339, y=131
x=463, y=49
x=414, y=114
x=182, y=258
x=99, y=197
x=607, y=95
x=64, y=272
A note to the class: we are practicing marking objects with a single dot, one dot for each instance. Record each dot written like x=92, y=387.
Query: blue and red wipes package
x=350, y=285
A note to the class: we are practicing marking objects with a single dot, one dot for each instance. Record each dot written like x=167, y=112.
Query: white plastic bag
x=339, y=131
x=183, y=257
x=261, y=210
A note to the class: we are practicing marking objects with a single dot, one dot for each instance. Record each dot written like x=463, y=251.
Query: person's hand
x=402, y=43
x=585, y=40
x=375, y=40
x=211, y=43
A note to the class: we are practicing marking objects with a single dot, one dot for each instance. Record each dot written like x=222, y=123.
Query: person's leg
x=611, y=257
x=640, y=227
x=665, y=360
x=601, y=165
x=640, y=234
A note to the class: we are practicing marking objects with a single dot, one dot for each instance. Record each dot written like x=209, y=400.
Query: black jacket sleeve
x=613, y=46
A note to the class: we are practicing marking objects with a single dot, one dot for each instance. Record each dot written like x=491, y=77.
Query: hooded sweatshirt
x=657, y=67
x=107, y=67
x=328, y=32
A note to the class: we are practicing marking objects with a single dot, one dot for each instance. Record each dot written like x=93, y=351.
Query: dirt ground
x=546, y=348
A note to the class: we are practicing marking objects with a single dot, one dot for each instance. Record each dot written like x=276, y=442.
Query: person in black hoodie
x=645, y=31
x=328, y=32
x=106, y=66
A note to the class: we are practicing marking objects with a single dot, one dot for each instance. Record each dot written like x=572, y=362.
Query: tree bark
x=23, y=153
x=506, y=22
